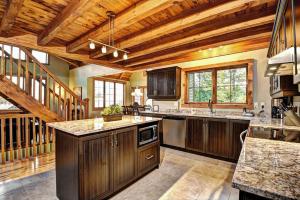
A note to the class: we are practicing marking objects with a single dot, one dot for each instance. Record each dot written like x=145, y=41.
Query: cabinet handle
x=148, y=157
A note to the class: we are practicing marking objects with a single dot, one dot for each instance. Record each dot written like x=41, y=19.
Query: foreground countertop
x=269, y=168
x=266, y=122
x=87, y=126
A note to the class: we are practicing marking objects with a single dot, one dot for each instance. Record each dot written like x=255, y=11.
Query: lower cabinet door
x=97, y=168
x=217, y=141
x=125, y=157
x=195, y=134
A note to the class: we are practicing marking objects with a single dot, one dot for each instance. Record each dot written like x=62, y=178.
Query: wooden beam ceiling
x=30, y=41
x=10, y=15
x=201, y=36
x=220, y=41
x=233, y=48
x=125, y=19
x=190, y=20
x=61, y=21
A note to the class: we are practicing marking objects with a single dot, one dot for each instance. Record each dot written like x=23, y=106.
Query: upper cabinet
x=284, y=49
x=164, y=84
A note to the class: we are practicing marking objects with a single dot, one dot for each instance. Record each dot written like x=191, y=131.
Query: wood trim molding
x=214, y=67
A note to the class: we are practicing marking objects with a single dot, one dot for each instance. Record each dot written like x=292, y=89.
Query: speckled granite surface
x=87, y=126
x=269, y=168
x=271, y=123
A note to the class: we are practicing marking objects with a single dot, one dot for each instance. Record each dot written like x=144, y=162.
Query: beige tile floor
x=180, y=176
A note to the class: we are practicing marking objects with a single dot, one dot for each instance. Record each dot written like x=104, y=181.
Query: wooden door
x=236, y=127
x=151, y=84
x=170, y=76
x=217, y=137
x=161, y=83
x=195, y=134
x=97, y=166
x=125, y=157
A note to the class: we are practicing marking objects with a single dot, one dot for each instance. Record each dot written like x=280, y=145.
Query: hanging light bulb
x=92, y=45
x=103, y=49
x=116, y=54
x=125, y=56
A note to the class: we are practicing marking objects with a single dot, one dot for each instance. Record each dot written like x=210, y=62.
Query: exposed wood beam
x=186, y=49
x=72, y=63
x=201, y=36
x=190, y=20
x=239, y=47
x=73, y=10
x=135, y=13
x=30, y=41
x=10, y=15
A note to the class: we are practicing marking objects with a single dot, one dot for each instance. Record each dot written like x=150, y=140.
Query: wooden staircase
x=32, y=86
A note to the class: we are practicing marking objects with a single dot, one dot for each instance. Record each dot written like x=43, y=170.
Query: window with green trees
x=225, y=85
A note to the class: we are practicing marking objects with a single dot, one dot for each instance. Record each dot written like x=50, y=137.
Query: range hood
x=283, y=63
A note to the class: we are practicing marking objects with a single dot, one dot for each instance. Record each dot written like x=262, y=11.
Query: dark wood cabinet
x=97, y=165
x=236, y=127
x=195, y=134
x=282, y=86
x=217, y=137
x=164, y=84
x=97, y=159
x=148, y=157
x=125, y=157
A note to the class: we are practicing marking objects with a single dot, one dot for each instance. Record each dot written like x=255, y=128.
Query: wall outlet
x=255, y=106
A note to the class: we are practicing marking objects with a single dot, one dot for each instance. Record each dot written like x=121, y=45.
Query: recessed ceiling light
x=269, y=74
x=273, y=68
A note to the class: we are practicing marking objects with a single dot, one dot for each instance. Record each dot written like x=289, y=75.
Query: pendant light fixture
x=111, y=41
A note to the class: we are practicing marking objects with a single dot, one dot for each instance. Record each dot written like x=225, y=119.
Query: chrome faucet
x=210, y=106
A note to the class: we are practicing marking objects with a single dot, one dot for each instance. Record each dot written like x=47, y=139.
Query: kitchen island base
x=98, y=165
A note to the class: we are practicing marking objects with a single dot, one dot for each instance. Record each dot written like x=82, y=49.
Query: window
x=15, y=52
x=107, y=93
x=42, y=57
x=200, y=86
x=228, y=85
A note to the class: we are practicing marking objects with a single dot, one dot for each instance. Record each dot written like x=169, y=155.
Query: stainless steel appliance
x=174, y=129
x=147, y=134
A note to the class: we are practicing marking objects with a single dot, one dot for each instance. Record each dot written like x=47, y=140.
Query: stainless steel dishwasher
x=174, y=129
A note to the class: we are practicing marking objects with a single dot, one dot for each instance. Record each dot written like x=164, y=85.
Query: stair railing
x=36, y=80
x=24, y=136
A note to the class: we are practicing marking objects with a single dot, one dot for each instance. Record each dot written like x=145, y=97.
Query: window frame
x=248, y=64
x=107, y=80
x=47, y=55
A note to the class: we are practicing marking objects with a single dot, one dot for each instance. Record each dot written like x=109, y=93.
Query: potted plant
x=112, y=113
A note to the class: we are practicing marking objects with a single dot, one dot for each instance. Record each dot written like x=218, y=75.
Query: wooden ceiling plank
x=201, y=36
x=197, y=48
x=135, y=13
x=240, y=47
x=10, y=15
x=191, y=20
x=71, y=12
x=30, y=41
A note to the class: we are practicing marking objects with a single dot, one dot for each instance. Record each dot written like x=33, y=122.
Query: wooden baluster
x=75, y=107
x=2, y=60
x=54, y=94
x=33, y=80
x=70, y=108
x=11, y=63
x=27, y=80
x=80, y=109
x=3, y=142
x=19, y=138
x=86, y=108
x=19, y=69
x=53, y=139
x=26, y=137
x=34, y=136
x=11, y=141
x=47, y=139
x=65, y=105
x=41, y=86
x=48, y=92
x=59, y=101
x=40, y=134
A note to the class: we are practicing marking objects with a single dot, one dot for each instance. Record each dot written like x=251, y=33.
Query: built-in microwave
x=147, y=134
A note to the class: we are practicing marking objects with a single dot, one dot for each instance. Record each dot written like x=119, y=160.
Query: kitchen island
x=95, y=159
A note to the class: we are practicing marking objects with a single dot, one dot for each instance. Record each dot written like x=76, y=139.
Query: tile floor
x=180, y=176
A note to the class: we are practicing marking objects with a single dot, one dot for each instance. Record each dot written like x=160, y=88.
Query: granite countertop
x=87, y=126
x=269, y=168
x=254, y=121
